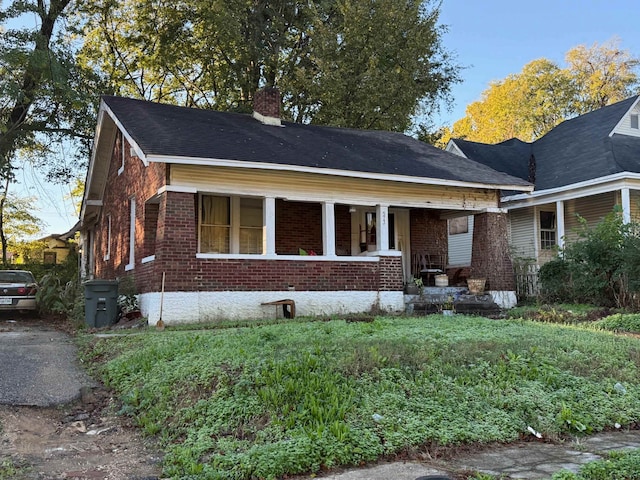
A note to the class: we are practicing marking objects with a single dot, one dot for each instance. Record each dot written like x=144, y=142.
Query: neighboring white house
x=582, y=168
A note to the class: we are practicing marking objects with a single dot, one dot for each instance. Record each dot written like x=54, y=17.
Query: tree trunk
x=31, y=81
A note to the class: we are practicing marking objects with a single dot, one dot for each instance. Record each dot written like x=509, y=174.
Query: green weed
x=286, y=399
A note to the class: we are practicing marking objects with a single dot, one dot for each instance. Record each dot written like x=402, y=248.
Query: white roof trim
x=576, y=190
x=219, y=162
x=455, y=149
x=612, y=132
x=139, y=153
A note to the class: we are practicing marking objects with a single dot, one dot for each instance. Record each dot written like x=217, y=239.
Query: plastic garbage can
x=100, y=303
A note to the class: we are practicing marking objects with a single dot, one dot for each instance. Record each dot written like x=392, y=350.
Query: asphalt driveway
x=38, y=365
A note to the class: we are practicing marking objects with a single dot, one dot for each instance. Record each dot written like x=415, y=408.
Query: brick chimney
x=266, y=106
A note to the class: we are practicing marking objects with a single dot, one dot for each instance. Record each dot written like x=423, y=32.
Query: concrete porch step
x=433, y=299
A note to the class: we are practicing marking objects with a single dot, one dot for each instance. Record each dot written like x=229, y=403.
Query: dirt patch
x=84, y=440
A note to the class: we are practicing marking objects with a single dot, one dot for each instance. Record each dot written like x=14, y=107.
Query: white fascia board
x=577, y=190
x=219, y=162
x=612, y=132
x=455, y=149
x=92, y=160
x=176, y=188
x=139, y=153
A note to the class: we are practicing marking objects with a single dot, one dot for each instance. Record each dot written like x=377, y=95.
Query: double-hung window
x=231, y=224
x=547, y=230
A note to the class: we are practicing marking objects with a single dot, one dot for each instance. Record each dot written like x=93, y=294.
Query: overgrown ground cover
x=261, y=402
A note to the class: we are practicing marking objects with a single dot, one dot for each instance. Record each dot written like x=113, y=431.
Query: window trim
x=635, y=121
x=234, y=226
x=544, y=244
x=132, y=235
x=107, y=255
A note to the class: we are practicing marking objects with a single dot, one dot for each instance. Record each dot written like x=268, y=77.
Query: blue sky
x=494, y=38
x=491, y=38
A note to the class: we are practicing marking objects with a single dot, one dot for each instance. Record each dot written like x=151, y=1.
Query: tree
x=45, y=98
x=356, y=63
x=18, y=222
x=529, y=104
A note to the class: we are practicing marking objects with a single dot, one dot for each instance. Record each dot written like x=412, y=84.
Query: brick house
x=237, y=210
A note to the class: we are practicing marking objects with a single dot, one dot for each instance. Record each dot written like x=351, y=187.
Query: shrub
x=601, y=267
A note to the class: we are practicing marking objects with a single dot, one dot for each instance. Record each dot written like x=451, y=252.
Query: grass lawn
x=265, y=401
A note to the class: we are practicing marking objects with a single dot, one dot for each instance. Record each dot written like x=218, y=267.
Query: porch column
x=382, y=227
x=560, y=223
x=328, y=229
x=626, y=205
x=269, y=222
x=490, y=252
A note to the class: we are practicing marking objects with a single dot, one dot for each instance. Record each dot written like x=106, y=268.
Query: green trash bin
x=100, y=303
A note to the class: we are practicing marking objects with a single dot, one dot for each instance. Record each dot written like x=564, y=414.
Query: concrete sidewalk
x=523, y=460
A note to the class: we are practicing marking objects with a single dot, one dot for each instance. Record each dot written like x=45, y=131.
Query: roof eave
x=633, y=105
x=219, y=162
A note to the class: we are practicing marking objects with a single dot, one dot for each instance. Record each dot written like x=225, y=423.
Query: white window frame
x=234, y=224
x=635, y=121
x=132, y=234
x=545, y=244
x=108, y=254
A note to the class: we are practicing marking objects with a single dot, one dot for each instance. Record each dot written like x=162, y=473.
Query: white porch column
x=328, y=229
x=382, y=227
x=560, y=223
x=269, y=222
x=626, y=205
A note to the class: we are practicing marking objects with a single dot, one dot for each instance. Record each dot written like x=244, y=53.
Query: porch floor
x=434, y=299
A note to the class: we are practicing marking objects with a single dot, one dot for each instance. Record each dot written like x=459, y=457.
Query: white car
x=17, y=290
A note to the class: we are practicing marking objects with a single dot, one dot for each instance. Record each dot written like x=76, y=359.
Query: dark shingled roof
x=161, y=129
x=576, y=150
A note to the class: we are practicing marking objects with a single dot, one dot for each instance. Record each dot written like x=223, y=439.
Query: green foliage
x=620, y=323
x=45, y=97
x=601, y=267
x=624, y=465
x=8, y=469
x=59, y=289
x=285, y=399
x=352, y=63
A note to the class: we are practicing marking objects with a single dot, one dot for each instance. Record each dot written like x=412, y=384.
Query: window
x=107, y=254
x=49, y=258
x=634, y=121
x=251, y=225
x=547, y=230
x=132, y=234
x=458, y=225
x=231, y=225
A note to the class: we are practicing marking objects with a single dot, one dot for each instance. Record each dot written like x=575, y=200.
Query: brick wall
x=298, y=225
x=428, y=232
x=137, y=182
x=343, y=230
x=490, y=257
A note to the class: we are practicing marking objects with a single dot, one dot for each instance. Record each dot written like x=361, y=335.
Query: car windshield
x=16, y=277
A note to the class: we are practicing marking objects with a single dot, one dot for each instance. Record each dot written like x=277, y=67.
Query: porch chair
x=426, y=266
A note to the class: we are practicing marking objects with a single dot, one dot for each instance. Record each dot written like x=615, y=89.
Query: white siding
x=593, y=209
x=522, y=233
x=460, y=247
x=624, y=128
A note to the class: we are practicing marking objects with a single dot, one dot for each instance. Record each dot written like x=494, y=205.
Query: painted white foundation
x=193, y=307
x=505, y=298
